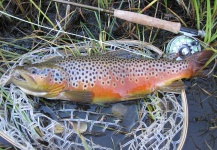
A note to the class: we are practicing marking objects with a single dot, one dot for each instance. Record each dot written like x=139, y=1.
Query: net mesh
x=157, y=122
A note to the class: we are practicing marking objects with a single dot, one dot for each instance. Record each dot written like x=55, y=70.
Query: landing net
x=158, y=121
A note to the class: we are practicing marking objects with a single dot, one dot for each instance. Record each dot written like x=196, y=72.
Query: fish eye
x=33, y=70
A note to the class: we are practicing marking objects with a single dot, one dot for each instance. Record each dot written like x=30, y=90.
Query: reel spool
x=183, y=46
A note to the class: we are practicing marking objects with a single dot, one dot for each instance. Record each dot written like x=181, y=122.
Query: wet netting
x=158, y=121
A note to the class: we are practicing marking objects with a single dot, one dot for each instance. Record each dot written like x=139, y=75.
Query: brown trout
x=100, y=79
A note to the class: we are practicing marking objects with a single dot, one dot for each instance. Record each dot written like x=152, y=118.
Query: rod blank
x=174, y=27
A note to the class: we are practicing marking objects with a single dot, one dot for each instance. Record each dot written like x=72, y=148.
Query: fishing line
x=61, y=31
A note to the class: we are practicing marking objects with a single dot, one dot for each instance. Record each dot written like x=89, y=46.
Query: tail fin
x=199, y=60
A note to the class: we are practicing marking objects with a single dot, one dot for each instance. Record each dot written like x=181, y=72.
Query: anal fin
x=79, y=96
x=174, y=87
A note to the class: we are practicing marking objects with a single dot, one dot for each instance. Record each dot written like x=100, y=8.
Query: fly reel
x=183, y=46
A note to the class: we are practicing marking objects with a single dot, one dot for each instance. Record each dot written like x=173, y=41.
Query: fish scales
x=118, y=78
x=116, y=71
x=97, y=79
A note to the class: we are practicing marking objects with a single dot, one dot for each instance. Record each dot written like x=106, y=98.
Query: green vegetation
x=55, y=23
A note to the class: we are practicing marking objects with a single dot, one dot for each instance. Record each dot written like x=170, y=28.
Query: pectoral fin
x=174, y=87
x=79, y=96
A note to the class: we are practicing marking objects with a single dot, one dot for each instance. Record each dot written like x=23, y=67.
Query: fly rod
x=142, y=19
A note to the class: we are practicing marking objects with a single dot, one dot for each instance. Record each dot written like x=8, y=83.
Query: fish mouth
x=19, y=77
x=27, y=83
x=23, y=79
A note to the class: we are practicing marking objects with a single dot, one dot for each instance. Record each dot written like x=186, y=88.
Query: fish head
x=43, y=80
